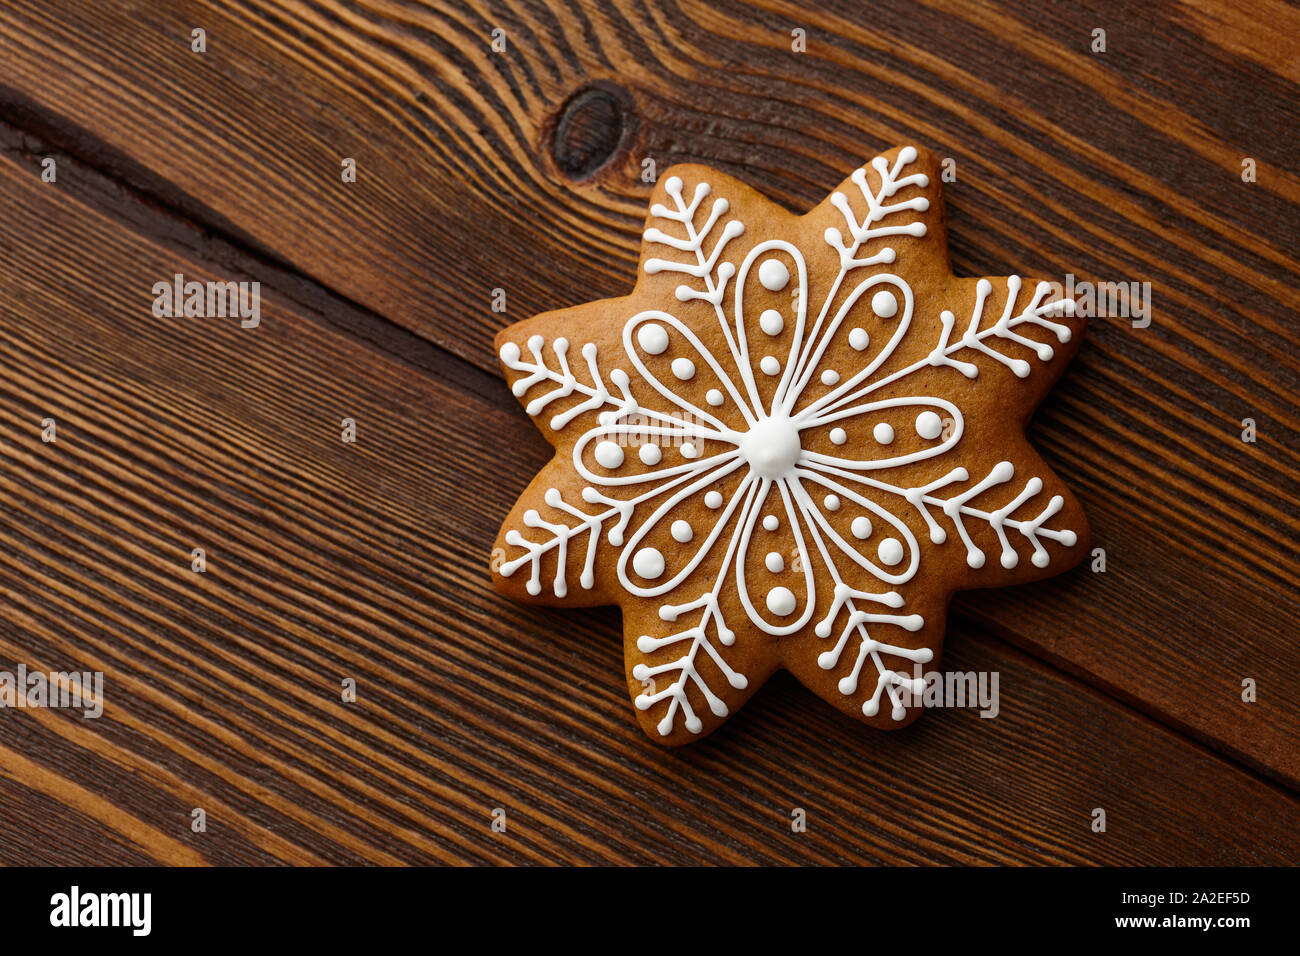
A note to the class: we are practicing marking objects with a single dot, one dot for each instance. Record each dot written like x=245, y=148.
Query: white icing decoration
x=883, y=433
x=774, y=562
x=683, y=369
x=839, y=436
x=771, y=322
x=773, y=275
x=781, y=601
x=653, y=339
x=759, y=452
x=884, y=305
x=890, y=551
x=609, y=455
x=649, y=563
x=929, y=425
x=771, y=448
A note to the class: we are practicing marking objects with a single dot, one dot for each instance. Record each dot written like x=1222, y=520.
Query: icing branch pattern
x=706, y=267
x=766, y=448
x=877, y=211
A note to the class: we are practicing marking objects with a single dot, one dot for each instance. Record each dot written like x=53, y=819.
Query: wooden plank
x=29, y=839
x=1118, y=166
x=329, y=560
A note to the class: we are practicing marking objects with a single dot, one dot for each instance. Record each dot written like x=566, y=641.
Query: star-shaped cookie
x=789, y=446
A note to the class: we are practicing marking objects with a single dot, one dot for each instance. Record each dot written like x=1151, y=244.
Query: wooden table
x=521, y=170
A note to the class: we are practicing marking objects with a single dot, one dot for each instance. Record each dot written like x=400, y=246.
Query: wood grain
x=457, y=149
x=522, y=171
x=331, y=560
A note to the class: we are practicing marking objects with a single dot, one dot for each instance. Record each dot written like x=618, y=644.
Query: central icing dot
x=771, y=447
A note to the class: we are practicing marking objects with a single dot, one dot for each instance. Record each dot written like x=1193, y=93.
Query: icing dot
x=769, y=365
x=648, y=563
x=510, y=353
x=775, y=563
x=608, y=454
x=884, y=304
x=771, y=322
x=861, y=527
x=713, y=397
x=771, y=523
x=689, y=450
x=713, y=500
x=653, y=338
x=773, y=274
x=682, y=531
x=883, y=433
x=859, y=339
x=832, y=502
x=838, y=436
x=890, y=551
x=650, y=454
x=929, y=425
x=830, y=377
x=684, y=369
x=781, y=602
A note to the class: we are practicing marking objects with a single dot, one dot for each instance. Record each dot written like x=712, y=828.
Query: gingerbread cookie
x=789, y=446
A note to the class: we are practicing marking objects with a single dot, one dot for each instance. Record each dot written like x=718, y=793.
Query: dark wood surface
x=521, y=171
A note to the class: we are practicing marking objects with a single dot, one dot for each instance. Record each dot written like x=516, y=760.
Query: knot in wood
x=591, y=128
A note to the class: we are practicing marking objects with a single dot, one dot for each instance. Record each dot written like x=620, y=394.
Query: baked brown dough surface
x=857, y=409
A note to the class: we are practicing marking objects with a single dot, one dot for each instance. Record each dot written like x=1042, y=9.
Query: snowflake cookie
x=789, y=446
